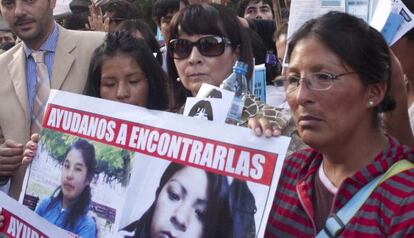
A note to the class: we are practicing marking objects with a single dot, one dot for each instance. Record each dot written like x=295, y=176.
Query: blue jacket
x=85, y=227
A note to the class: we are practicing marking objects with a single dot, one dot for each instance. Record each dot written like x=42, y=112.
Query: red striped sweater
x=388, y=212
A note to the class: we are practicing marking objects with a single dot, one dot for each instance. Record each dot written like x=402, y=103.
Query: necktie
x=42, y=91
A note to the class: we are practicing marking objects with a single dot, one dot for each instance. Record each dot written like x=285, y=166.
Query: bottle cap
x=240, y=67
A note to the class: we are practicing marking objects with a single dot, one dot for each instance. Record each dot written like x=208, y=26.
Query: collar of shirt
x=49, y=45
x=392, y=152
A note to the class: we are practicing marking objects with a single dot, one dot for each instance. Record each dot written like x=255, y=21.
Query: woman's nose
x=69, y=174
x=195, y=56
x=122, y=91
x=303, y=93
x=181, y=217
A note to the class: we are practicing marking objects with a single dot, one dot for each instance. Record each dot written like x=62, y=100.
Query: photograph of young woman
x=68, y=205
x=189, y=202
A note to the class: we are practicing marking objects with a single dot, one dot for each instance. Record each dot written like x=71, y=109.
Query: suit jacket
x=69, y=73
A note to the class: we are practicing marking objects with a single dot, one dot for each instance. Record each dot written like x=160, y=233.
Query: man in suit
x=67, y=55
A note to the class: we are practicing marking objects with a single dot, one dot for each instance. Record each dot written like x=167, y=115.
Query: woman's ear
x=375, y=94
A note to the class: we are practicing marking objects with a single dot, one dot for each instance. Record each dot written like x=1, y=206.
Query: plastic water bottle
x=236, y=83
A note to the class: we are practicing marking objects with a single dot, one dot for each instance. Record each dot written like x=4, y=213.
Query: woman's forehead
x=75, y=156
x=201, y=26
x=311, y=52
x=193, y=36
x=192, y=180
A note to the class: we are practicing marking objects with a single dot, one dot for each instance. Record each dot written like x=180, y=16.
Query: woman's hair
x=214, y=93
x=217, y=222
x=124, y=43
x=81, y=205
x=200, y=107
x=205, y=19
x=134, y=25
x=357, y=44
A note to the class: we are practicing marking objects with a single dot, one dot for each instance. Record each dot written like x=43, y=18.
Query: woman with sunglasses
x=337, y=83
x=204, y=43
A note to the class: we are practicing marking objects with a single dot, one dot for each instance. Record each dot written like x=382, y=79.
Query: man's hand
x=11, y=155
x=96, y=19
x=262, y=126
x=30, y=149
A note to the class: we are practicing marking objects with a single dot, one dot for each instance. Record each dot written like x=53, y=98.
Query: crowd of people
x=349, y=94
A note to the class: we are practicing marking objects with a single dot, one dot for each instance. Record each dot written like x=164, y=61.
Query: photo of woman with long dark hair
x=202, y=109
x=189, y=202
x=68, y=205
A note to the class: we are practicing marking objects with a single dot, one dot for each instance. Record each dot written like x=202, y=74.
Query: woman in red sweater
x=337, y=83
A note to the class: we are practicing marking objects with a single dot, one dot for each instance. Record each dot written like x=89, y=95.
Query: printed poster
x=106, y=169
x=206, y=108
x=21, y=222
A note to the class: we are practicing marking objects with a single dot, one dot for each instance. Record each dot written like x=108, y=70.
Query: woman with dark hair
x=189, y=202
x=204, y=43
x=124, y=69
x=219, y=41
x=337, y=83
x=69, y=204
x=140, y=30
x=202, y=109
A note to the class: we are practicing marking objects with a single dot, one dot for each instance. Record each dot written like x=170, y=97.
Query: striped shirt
x=49, y=46
x=388, y=212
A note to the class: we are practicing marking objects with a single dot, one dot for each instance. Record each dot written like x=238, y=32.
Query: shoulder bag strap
x=336, y=222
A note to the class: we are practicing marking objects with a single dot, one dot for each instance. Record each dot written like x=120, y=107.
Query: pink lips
x=195, y=75
x=68, y=186
x=167, y=234
x=308, y=120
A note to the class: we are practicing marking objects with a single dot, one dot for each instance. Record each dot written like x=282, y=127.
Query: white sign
x=154, y=173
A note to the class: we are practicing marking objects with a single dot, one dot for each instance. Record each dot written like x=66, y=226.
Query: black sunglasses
x=208, y=46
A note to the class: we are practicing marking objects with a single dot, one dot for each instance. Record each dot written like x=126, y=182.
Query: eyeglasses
x=320, y=81
x=209, y=46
